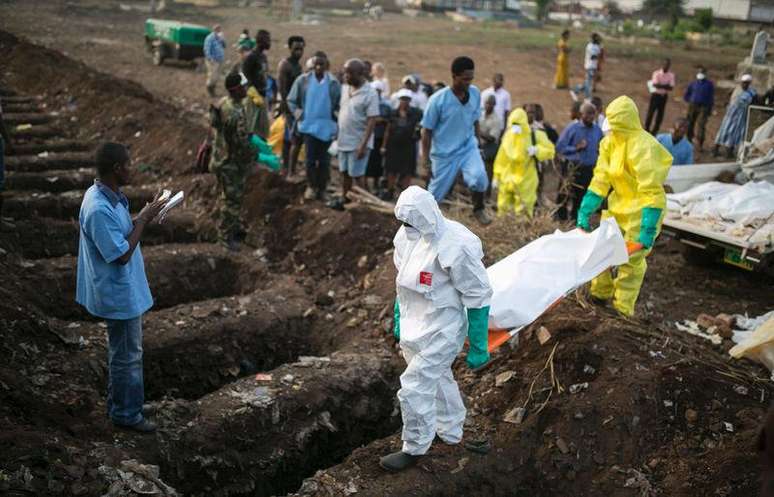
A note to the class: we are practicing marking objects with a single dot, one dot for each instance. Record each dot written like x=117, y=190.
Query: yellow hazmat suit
x=634, y=166
x=515, y=170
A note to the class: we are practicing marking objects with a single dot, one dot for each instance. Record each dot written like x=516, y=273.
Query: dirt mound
x=102, y=107
x=610, y=408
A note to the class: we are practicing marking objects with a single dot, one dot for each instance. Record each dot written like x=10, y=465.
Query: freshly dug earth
x=662, y=413
x=612, y=408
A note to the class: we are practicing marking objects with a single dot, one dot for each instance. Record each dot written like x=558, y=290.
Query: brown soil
x=316, y=282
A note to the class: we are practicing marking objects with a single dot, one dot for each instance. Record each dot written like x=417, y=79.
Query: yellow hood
x=623, y=116
x=518, y=116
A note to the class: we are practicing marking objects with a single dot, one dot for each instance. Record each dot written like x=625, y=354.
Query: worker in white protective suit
x=443, y=295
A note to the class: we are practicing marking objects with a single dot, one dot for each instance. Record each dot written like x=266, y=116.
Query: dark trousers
x=287, y=139
x=656, y=107
x=580, y=184
x=318, y=163
x=581, y=177
x=697, y=115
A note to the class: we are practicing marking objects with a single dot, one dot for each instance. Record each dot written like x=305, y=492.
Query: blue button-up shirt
x=105, y=287
x=452, y=122
x=317, y=118
x=682, y=151
x=214, y=47
x=573, y=134
x=700, y=92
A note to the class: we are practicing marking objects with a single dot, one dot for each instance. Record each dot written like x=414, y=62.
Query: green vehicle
x=174, y=40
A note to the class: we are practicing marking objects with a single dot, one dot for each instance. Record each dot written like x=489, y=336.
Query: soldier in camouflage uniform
x=232, y=158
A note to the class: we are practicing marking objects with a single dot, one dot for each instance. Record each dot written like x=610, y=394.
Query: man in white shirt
x=502, y=97
x=590, y=64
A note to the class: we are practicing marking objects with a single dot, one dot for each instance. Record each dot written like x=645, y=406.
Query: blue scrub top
x=452, y=123
x=106, y=288
x=682, y=151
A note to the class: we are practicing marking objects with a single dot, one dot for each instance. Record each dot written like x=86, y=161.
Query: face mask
x=606, y=126
x=700, y=76
x=412, y=233
x=516, y=129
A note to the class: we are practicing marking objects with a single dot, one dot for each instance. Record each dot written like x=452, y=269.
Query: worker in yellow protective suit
x=515, y=169
x=634, y=166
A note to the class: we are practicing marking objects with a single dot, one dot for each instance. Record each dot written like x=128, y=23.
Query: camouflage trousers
x=231, y=181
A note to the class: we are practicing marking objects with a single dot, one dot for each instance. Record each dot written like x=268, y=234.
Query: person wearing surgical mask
x=700, y=97
x=443, y=296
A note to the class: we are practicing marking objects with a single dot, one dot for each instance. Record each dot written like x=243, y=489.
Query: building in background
x=758, y=11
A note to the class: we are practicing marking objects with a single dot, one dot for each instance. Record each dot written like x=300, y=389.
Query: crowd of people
x=382, y=139
x=442, y=289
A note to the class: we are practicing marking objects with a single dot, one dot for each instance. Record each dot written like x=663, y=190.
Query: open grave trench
x=219, y=319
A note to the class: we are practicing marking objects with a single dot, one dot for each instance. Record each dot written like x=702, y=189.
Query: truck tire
x=699, y=257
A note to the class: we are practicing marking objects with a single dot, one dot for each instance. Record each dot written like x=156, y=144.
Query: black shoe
x=337, y=204
x=482, y=217
x=143, y=426
x=398, y=461
x=148, y=410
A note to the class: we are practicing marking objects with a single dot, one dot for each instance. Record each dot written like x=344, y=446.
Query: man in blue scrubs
x=677, y=144
x=450, y=138
x=111, y=280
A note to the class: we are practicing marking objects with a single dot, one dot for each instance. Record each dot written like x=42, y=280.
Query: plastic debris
x=263, y=377
x=543, y=335
x=515, y=415
x=579, y=387
x=692, y=328
x=503, y=378
x=759, y=345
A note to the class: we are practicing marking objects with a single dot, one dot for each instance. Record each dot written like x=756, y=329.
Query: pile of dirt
x=609, y=408
x=100, y=107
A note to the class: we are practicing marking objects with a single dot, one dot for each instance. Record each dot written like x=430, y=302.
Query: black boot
x=479, y=212
x=398, y=461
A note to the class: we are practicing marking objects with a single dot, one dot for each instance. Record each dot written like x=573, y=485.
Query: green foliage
x=672, y=9
x=542, y=8
x=629, y=28
x=703, y=18
x=613, y=9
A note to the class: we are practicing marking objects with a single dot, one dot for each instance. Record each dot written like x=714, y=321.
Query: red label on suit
x=426, y=278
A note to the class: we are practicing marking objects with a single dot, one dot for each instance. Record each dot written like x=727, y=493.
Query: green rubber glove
x=589, y=205
x=478, y=337
x=270, y=160
x=260, y=144
x=396, y=320
x=649, y=226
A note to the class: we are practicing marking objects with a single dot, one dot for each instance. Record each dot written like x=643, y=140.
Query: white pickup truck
x=720, y=237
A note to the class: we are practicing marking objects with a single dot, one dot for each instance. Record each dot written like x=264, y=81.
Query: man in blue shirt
x=700, y=96
x=314, y=101
x=680, y=148
x=579, y=146
x=111, y=282
x=450, y=138
x=214, y=54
